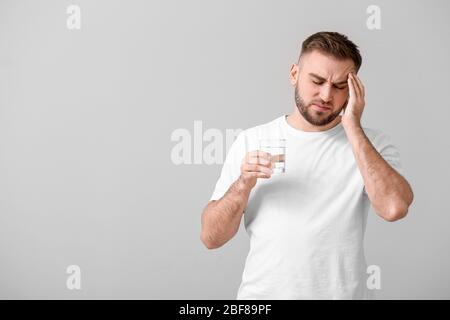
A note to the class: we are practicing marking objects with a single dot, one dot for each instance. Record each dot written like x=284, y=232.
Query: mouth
x=320, y=107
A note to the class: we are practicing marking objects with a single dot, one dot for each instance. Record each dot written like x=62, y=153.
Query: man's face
x=321, y=90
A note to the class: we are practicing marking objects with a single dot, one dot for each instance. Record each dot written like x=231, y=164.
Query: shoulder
x=248, y=139
x=372, y=133
x=378, y=138
x=264, y=129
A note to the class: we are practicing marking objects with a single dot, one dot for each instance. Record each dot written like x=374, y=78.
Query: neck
x=296, y=120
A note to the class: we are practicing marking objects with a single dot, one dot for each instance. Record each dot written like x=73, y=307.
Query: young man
x=306, y=225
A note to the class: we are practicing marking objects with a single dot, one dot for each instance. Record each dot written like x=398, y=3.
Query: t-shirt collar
x=309, y=134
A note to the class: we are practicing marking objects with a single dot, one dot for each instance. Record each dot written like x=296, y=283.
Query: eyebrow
x=323, y=79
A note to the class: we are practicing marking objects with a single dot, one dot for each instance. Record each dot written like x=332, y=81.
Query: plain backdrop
x=86, y=119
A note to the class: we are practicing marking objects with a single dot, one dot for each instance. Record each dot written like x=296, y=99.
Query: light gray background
x=86, y=118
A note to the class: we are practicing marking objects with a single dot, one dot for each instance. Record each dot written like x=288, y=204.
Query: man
x=306, y=225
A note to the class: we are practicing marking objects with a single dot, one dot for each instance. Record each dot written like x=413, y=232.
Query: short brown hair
x=334, y=44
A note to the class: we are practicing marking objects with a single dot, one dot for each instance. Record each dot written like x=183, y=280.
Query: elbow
x=205, y=235
x=399, y=210
x=208, y=242
x=396, y=213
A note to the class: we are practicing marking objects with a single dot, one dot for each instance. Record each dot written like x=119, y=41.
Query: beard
x=314, y=117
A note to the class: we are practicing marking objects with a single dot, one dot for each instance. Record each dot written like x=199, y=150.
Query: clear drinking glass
x=277, y=148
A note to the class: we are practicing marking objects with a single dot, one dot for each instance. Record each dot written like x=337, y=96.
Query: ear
x=294, y=74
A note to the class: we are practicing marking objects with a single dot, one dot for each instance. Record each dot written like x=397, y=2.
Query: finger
x=258, y=160
x=355, y=85
x=261, y=175
x=263, y=169
x=257, y=174
x=278, y=158
x=256, y=168
x=351, y=88
x=358, y=84
x=259, y=153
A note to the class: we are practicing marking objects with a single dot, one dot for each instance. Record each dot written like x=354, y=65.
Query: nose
x=325, y=93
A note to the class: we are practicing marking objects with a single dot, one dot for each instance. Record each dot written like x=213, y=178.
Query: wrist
x=354, y=134
x=351, y=127
x=243, y=184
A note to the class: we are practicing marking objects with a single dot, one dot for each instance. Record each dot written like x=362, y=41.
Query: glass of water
x=277, y=149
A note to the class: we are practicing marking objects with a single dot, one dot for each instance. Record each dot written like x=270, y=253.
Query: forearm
x=389, y=193
x=221, y=218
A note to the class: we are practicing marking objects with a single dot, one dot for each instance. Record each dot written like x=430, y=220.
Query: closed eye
x=337, y=87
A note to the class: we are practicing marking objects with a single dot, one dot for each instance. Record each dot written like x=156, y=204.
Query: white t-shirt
x=306, y=226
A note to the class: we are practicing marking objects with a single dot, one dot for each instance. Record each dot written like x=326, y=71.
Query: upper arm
x=231, y=168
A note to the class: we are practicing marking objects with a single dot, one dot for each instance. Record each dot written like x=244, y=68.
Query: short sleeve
x=389, y=152
x=386, y=148
x=231, y=168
